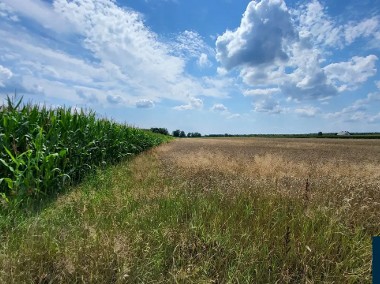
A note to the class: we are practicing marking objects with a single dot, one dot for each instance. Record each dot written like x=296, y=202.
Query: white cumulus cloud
x=348, y=75
x=268, y=105
x=307, y=80
x=219, y=107
x=203, y=61
x=194, y=103
x=262, y=37
x=276, y=46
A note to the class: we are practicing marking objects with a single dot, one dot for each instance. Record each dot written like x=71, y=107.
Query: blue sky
x=217, y=66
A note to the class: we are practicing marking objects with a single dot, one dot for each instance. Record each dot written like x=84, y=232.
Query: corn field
x=44, y=150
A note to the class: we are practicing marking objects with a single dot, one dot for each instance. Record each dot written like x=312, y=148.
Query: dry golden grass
x=341, y=174
x=278, y=157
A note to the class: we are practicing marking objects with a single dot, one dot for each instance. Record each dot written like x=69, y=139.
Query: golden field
x=341, y=174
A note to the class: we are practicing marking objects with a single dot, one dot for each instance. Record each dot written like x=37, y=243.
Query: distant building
x=343, y=133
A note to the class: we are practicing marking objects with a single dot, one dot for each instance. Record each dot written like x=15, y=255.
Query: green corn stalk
x=43, y=150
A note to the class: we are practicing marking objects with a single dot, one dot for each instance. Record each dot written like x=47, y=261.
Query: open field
x=340, y=174
x=209, y=211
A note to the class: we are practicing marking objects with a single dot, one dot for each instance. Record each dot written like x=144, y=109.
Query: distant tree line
x=175, y=133
x=179, y=133
x=182, y=134
x=194, y=134
x=160, y=130
x=358, y=135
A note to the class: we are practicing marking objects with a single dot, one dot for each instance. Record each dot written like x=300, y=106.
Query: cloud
x=374, y=118
x=189, y=44
x=217, y=86
x=306, y=79
x=144, y=103
x=268, y=105
x=377, y=84
x=219, y=107
x=275, y=46
x=371, y=98
x=87, y=95
x=358, y=111
x=221, y=71
x=119, y=37
x=58, y=73
x=269, y=51
x=272, y=106
x=263, y=76
x=366, y=28
x=317, y=27
x=7, y=13
x=262, y=37
x=109, y=50
x=5, y=74
x=308, y=111
x=40, y=12
x=310, y=85
x=223, y=111
x=348, y=75
x=114, y=99
x=261, y=92
x=194, y=103
x=203, y=61
x=361, y=116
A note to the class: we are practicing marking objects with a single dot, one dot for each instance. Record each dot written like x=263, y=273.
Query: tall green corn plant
x=41, y=149
x=14, y=172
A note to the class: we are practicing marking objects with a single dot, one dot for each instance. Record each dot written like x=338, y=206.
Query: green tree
x=196, y=134
x=176, y=133
x=160, y=130
x=182, y=134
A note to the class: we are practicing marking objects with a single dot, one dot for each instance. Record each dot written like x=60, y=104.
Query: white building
x=343, y=133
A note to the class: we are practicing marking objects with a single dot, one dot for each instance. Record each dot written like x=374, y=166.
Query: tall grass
x=43, y=149
x=161, y=225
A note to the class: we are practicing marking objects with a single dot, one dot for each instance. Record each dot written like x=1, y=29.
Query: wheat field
x=341, y=175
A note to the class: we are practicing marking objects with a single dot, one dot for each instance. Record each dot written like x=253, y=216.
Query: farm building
x=343, y=133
